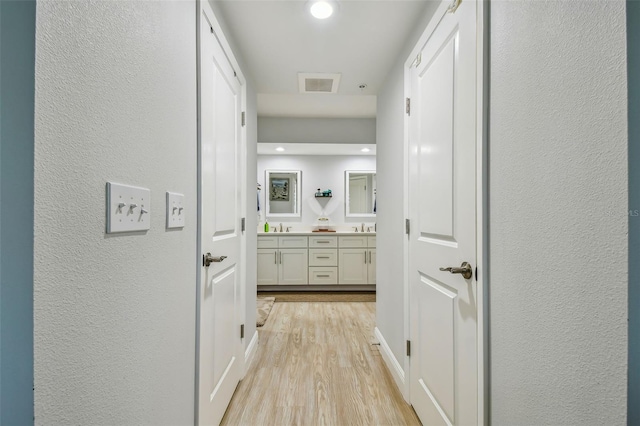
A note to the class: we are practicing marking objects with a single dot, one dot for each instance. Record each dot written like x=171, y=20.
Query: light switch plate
x=175, y=210
x=128, y=208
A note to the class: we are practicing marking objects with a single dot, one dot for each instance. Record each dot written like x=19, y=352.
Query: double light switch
x=175, y=210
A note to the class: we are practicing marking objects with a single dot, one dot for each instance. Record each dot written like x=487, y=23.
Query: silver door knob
x=208, y=259
x=464, y=269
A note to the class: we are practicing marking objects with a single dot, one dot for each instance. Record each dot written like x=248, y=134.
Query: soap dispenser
x=266, y=226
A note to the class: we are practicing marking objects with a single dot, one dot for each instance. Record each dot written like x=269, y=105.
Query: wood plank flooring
x=316, y=365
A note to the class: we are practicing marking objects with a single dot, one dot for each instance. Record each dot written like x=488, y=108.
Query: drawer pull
x=323, y=242
x=322, y=257
x=322, y=276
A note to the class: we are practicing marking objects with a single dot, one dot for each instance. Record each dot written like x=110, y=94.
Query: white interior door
x=220, y=361
x=442, y=184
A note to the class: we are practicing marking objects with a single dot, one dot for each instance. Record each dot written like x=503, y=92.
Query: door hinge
x=203, y=260
x=242, y=331
x=476, y=274
x=408, y=347
x=408, y=106
x=211, y=28
x=243, y=224
x=407, y=226
x=243, y=119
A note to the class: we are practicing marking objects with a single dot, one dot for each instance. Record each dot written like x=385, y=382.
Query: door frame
x=482, y=197
x=201, y=5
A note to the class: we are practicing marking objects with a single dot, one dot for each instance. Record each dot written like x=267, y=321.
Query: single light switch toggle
x=132, y=206
x=143, y=211
x=121, y=205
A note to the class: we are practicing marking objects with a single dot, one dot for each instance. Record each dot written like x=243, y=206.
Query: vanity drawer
x=325, y=275
x=292, y=242
x=267, y=242
x=317, y=241
x=353, y=241
x=323, y=257
x=371, y=241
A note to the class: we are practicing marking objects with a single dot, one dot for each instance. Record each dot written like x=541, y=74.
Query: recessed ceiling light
x=321, y=9
x=365, y=150
x=279, y=149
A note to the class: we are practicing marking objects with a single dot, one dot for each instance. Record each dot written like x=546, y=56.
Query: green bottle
x=266, y=226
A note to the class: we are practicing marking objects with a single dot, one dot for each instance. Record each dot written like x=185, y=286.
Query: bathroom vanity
x=315, y=261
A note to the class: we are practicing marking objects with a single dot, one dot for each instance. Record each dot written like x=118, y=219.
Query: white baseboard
x=397, y=372
x=250, y=353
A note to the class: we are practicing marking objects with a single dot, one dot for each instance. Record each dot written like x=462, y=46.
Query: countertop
x=316, y=234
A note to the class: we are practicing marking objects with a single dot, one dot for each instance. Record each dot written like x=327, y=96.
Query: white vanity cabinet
x=357, y=259
x=316, y=260
x=282, y=260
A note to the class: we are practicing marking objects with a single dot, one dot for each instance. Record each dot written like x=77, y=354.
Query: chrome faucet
x=362, y=229
x=280, y=226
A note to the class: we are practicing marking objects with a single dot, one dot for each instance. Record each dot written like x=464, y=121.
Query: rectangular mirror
x=283, y=193
x=360, y=193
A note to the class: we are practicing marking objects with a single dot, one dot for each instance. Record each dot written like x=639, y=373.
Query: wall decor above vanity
x=284, y=195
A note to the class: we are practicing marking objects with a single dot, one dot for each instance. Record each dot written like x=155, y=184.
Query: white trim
x=392, y=363
x=482, y=194
x=481, y=197
x=250, y=353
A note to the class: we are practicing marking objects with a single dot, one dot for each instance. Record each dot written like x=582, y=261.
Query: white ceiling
x=279, y=39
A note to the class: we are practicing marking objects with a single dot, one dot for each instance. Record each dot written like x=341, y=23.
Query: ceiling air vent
x=318, y=82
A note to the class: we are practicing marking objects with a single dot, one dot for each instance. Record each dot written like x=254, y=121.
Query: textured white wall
x=318, y=171
x=558, y=213
x=390, y=312
x=114, y=315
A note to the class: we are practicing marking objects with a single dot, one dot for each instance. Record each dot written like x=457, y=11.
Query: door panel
x=220, y=353
x=442, y=169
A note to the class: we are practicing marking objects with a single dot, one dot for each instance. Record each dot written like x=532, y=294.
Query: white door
x=220, y=354
x=442, y=181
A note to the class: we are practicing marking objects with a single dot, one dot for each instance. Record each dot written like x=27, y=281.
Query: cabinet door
x=371, y=273
x=267, y=266
x=352, y=266
x=293, y=266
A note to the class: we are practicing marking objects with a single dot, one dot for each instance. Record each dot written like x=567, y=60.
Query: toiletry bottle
x=266, y=226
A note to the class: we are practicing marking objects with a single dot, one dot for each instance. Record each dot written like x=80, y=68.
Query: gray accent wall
x=115, y=315
x=317, y=130
x=17, y=67
x=558, y=213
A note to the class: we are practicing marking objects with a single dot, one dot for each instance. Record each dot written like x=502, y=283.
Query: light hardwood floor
x=316, y=365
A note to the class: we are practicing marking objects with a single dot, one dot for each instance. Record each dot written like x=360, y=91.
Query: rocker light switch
x=128, y=208
x=175, y=210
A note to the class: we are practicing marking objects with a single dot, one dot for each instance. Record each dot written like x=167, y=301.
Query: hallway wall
x=390, y=312
x=633, y=75
x=558, y=213
x=114, y=314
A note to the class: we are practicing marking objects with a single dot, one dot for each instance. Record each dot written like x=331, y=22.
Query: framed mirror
x=283, y=193
x=360, y=193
